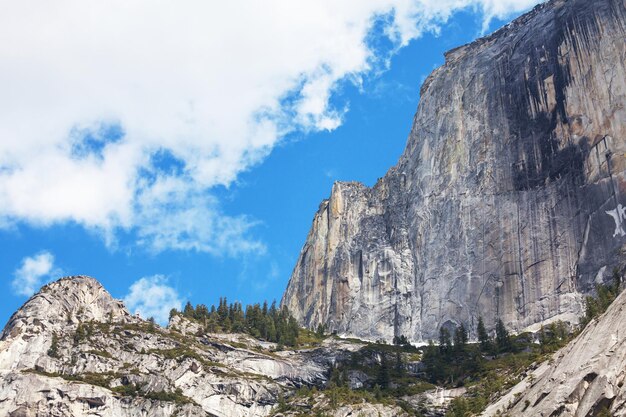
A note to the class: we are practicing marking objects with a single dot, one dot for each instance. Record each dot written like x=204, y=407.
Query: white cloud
x=33, y=272
x=152, y=297
x=213, y=86
x=176, y=215
x=502, y=8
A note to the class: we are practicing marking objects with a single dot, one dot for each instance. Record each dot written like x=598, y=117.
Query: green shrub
x=53, y=351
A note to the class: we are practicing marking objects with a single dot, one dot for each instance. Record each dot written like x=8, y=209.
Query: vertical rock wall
x=509, y=200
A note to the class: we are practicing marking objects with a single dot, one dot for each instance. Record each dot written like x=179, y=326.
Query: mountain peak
x=67, y=300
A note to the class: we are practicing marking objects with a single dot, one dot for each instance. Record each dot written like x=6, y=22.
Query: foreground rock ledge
x=582, y=378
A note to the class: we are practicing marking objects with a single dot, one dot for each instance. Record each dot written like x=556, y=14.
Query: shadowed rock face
x=509, y=200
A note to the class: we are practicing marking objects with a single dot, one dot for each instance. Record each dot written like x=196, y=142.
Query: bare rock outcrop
x=72, y=350
x=509, y=200
x=583, y=378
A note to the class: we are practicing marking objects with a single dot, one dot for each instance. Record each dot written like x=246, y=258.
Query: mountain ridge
x=96, y=359
x=73, y=350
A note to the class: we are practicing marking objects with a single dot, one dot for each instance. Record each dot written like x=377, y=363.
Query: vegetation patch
x=128, y=390
x=136, y=390
x=263, y=322
x=98, y=379
x=183, y=352
x=102, y=353
x=486, y=369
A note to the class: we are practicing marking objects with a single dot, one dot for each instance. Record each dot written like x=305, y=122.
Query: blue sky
x=166, y=209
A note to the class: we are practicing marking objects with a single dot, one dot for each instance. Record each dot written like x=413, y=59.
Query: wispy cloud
x=271, y=276
x=152, y=297
x=33, y=272
x=175, y=214
x=330, y=173
x=94, y=92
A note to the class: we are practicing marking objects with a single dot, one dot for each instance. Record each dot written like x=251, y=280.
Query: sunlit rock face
x=72, y=350
x=509, y=200
x=584, y=378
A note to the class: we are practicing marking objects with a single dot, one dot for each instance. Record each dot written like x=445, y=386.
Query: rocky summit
x=508, y=201
x=73, y=351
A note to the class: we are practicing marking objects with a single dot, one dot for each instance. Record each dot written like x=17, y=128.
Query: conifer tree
x=399, y=365
x=460, y=338
x=272, y=324
x=383, y=378
x=189, y=310
x=444, y=340
x=503, y=339
x=483, y=336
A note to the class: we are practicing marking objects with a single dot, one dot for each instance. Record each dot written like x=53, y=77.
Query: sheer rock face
x=509, y=200
x=582, y=378
x=102, y=351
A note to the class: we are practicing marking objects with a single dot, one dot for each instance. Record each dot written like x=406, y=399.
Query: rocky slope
x=583, y=378
x=508, y=200
x=73, y=351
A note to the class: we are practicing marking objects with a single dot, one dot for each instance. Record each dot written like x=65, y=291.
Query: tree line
x=262, y=321
x=454, y=359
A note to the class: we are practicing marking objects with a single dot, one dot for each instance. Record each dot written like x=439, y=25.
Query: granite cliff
x=508, y=201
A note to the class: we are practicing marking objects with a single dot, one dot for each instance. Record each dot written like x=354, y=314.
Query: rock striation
x=509, y=200
x=73, y=351
x=582, y=379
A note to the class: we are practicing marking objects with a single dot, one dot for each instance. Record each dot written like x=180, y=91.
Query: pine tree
x=434, y=362
x=272, y=324
x=377, y=392
x=226, y=325
x=188, y=310
x=211, y=324
x=222, y=310
x=503, y=339
x=399, y=365
x=444, y=340
x=460, y=338
x=483, y=336
x=80, y=335
x=383, y=378
x=273, y=309
x=272, y=335
x=337, y=377
x=201, y=312
x=321, y=329
x=238, y=318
